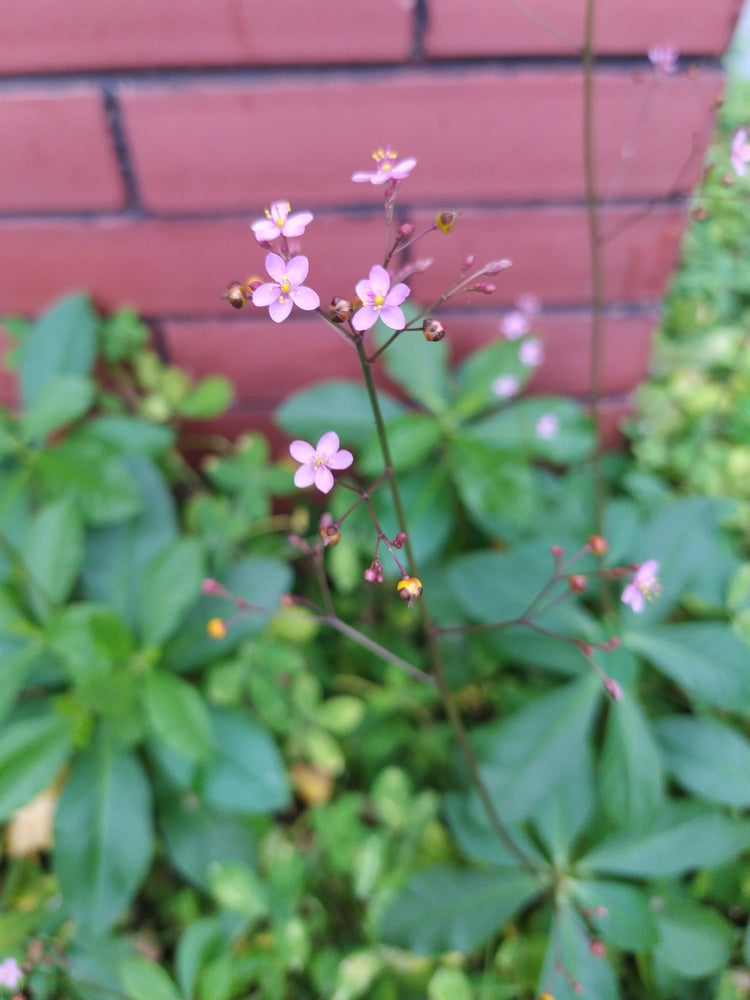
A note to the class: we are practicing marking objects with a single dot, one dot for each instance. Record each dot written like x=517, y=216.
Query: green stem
x=430, y=631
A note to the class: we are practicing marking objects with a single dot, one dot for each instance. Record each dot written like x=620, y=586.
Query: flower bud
x=235, y=295
x=253, y=282
x=216, y=628
x=468, y=262
x=598, y=545
x=613, y=688
x=409, y=589
x=433, y=330
x=400, y=539
x=597, y=948
x=341, y=309
x=405, y=230
x=496, y=266
x=578, y=582
x=210, y=586
x=446, y=220
x=329, y=534
x=486, y=288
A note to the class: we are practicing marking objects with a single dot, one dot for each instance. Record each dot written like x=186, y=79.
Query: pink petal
x=295, y=224
x=264, y=230
x=397, y=294
x=393, y=317
x=305, y=297
x=364, y=318
x=275, y=266
x=278, y=311
x=380, y=279
x=363, y=289
x=364, y=175
x=323, y=479
x=297, y=269
x=304, y=476
x=403, y=169
x=341, y=459
x=265, y=294
x=328, y=443
x=302, y=451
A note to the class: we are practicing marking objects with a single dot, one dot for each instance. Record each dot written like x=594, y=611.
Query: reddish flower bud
x=405, y=230
x=486, y=288
x=253, y=282
x=613, y=688
x=210, y=586
x=578, y=582
x=399, y=540
x=370, y=575
x=329, y=534
x=597, y=948
x=468, y=262
x=598, y=545
x=433, y=330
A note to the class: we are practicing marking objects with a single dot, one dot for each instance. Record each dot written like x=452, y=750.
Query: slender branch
x=434, y=649
x=374, y=647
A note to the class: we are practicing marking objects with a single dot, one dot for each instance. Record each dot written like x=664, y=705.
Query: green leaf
x=33, y=752
x=563, y=814
x=53, y=555
x=495, y=486
x=236, y=887
x=117, y=555
x=706, y=659
x=61, y=342
x=694, y=941
x=631, y=778
x=708, y=758
x=178, y=715
x=247, y=775
x=683, y=840
x=413, y=438
x=90, y=640
x=210, y=398
x=525, y=757
x=143, y=979
x=17, y=659
x=418, y=366
x=199, y=943
x=475, y=377
x=516, y=429
x=171, y=583
x=474, y=835
x=620, y=913
x=103, y=837
x=454, y=909
x=340, y=406
x=130, y=435
x=570, y=968
x=65, y=399
x=86, y=472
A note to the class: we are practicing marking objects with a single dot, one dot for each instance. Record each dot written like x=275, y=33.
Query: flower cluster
x=740, y=152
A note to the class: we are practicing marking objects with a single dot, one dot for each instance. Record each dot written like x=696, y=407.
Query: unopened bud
x=399, y=540
x=329, y=534
x=433, y=330
x=210, y=586
x=597, y=948
x=486, y=288
x=216, y=628
x=557, y=551
x=341, y=309
x=496, y=266
x=235, y=295
x=598, y=545
x=446, y=220
x=578, y=582
x=611, y=644
x=405, y=230
x=468, y=262
x=613, y=688
x=370, y=575
x=409, y=589
x=253, y=282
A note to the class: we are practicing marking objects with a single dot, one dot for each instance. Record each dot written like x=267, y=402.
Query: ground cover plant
x=446, y=703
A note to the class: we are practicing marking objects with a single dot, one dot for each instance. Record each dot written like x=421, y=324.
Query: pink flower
x=380, y=301
x=547, y=426
x=740, y=152
x=529, y=305
x=316, y=463
x=514, y=324
x=10, y=973
x=386, y=168
x=278, y=222
x=643, y=587
x=286, y=288
x=664, y=57
x=531, y=352
x=506, y=386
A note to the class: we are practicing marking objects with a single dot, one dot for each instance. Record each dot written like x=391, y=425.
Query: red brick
x=57, y=152
x=489, y=28
x=42, y=35
x=236, y=146
x=181, y=268
x=266, y=363
x=550, y=253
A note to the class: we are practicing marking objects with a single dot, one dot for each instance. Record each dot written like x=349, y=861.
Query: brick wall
x=140, y=138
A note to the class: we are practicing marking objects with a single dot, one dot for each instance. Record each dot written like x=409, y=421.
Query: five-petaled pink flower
x=643, y=587
x=664, y=57
x=505, y=386
x=515, y=324
x=531, y=352
x=380, y=301
x=278, y=222
x=10, y=973
x=316, y=463
x=547, y=426
x=740, y=152
x=386, y=168
x=286, y=288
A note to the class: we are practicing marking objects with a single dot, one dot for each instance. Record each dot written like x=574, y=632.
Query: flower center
x=285, y=286
x=378, y=301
